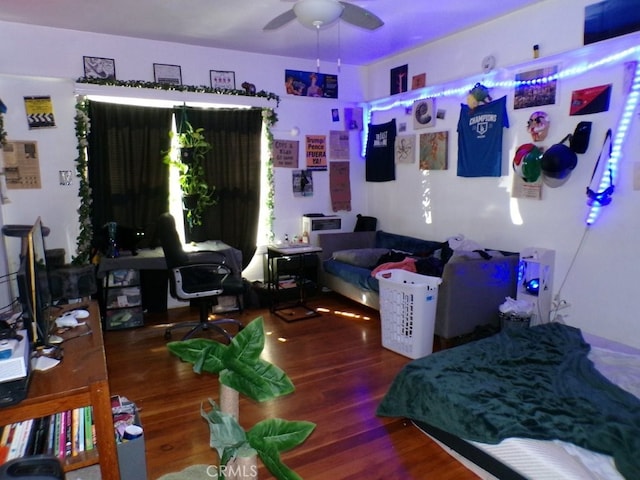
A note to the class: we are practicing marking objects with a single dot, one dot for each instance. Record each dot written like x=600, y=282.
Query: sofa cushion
x=360, y=257
x=415, y=246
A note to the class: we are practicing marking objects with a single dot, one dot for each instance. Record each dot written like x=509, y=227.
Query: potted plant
x=197, y=194
x=241, y=370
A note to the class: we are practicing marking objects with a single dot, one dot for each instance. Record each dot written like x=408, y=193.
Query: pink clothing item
x=408, y=264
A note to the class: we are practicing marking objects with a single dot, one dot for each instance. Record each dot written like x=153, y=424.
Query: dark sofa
x=472, y=287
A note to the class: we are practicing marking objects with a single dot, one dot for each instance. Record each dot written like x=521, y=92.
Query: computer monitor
x=34, y=287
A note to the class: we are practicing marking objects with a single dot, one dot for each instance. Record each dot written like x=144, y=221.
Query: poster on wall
x=21, y=165
x=302, y=183
x=39, y=112
x=353, y=118
x=590, y=100
x=316, y=152
x=399, y=81
x=285, y=153
x=434, y=151
x=424, y=113
x=339, y=145
x=610, y=18
x=405, y=149
x=532, y=90
x=340, y=186
x=310, y=84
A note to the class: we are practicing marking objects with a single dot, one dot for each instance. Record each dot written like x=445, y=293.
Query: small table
x=298, y=255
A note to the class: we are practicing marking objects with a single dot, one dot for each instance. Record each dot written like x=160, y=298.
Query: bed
x=536, y=403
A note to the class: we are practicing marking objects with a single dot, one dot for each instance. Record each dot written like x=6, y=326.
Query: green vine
x=178, y=88
x=270, y=118
x=85, y=236
x=3, y=132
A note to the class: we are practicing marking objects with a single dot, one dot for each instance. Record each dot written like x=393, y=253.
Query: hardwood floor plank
x=339, y=369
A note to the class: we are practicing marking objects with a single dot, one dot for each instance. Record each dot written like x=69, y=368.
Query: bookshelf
x=80, y=380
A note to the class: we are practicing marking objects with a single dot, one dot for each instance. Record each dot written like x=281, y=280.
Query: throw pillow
x=360, y=257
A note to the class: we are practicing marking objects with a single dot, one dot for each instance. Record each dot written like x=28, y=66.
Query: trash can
x=515, y=314
x=408, y=311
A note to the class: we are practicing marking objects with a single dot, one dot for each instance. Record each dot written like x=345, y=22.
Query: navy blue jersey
x=380, y=156
x=480, y=139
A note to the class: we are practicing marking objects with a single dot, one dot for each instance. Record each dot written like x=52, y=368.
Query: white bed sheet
x=557, y=460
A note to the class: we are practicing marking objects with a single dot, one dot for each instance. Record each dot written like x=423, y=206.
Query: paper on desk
x=45, y=363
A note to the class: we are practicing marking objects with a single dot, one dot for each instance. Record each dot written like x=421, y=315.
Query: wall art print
x=535, y=88
x=434, y=151
x=310, y=84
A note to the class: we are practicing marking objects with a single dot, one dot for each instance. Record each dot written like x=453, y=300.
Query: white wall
x=601, y=284
x=46, y=61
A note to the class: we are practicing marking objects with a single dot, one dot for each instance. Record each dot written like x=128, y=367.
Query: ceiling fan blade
x=280, y=20
x=360, y=17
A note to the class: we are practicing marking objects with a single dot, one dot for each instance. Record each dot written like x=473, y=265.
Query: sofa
x=474, y=283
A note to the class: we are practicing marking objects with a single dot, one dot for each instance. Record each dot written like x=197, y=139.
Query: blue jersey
x=480, y=139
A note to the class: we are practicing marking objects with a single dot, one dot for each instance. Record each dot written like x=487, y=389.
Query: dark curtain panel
x=233, y=167
x=129, y=180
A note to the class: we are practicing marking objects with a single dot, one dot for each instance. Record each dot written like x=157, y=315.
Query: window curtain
x=233, y=167
x=128, y=179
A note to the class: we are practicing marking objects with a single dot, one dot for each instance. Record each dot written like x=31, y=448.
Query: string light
x=609, y=172
x=407, y=99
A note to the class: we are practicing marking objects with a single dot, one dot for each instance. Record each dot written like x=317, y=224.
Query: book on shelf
x=63, y=434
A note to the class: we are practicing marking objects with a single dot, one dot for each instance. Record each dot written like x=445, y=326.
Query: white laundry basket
x=408, y=311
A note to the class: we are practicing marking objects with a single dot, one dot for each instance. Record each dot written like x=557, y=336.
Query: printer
x=15, y=368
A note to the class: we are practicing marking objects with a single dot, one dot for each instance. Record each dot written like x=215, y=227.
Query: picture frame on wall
x=223, y=79
x=169, y=74
x=99, y=67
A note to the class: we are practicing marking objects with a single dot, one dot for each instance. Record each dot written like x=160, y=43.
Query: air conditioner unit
x=315, y=225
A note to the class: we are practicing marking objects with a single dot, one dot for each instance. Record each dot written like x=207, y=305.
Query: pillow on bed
x=360, y=257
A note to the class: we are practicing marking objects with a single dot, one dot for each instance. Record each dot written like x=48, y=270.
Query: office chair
x=200, y=276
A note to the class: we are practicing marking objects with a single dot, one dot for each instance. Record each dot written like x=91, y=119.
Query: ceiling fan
x=320, y=13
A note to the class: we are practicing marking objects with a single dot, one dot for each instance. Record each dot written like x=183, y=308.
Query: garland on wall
x=85, y=237
x=3, y=132
x=179, y=88
x=82, y=129
x=270, y=118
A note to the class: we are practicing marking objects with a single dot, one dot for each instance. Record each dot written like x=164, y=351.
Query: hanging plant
x=85, y=236
x=270, y=119
x=197, y=194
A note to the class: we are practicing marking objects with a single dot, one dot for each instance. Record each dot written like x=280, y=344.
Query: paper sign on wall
x=285, y=153
x=316, y=152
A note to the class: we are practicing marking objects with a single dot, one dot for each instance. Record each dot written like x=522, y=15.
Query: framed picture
x=98, y=67
x=170, y=74
x=223, y=79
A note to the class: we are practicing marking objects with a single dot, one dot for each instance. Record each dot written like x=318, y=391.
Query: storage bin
x=408, y=304
x=124, y=318
x=511, y=320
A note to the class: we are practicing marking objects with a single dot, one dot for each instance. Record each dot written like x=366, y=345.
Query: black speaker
x=37, y=467
x=579, y=141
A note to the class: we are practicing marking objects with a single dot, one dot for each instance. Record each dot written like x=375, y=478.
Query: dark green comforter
x=534, y=382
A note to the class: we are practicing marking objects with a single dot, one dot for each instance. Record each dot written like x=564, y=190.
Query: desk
x=299, y=258
x=153, y=259
x=78, y=381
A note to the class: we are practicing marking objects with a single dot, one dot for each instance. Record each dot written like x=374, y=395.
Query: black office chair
x=199, y=276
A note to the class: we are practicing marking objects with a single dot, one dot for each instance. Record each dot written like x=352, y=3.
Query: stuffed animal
x=478, y=95
x=250, y=88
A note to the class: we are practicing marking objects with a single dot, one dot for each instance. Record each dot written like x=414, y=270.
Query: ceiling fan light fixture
x=317, y=13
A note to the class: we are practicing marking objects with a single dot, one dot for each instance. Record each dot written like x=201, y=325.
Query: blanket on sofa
x=531, y=382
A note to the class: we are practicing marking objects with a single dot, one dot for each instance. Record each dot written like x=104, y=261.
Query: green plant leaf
x=248, y=344
x=259, y=381
x=271, y=459
x=206, y=355
x=279, y=434
x=226, y=435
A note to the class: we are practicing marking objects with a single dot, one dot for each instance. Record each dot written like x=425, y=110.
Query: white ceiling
x=237, y=24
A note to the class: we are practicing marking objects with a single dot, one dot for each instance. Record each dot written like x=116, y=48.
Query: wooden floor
x=340, y=371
